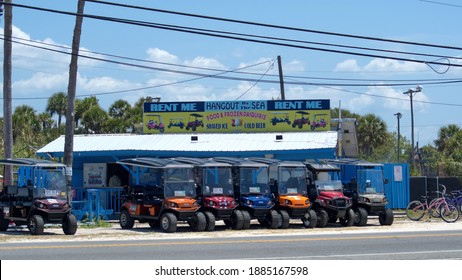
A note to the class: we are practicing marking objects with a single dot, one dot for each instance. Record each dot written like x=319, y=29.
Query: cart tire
x=284, y=219
x=36, y=225
x=198, y=222
x=323, y=217
x=349, y=219
x=273, y=219
x=237, y=220
x=209, y=221
x=360, y=217
x=246, y=216
x=168, y=222
x=386, y=218
x=4, y=223
x=70, y=225
x=125, y=220
x=310, y=219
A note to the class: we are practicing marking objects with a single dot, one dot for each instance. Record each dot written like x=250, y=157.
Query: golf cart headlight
x=66, y=206
x=42, y=206
x=307, y=201
x=365, y=199
x=173, y=205
x=195, y=204
x=384, y=200
x=211, y=203
x=270, y=202
x=288, y=202
x=248, y=202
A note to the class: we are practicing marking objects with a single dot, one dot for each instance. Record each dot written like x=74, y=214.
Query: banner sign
x=237, y=116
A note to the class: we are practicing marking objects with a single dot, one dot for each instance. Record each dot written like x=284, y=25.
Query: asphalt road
x=403, y=240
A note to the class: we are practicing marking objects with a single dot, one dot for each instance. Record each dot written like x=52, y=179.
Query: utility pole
x=398, y=116
x=71, y=92
x=7, y=92
x=411, y=92
x=281, y=79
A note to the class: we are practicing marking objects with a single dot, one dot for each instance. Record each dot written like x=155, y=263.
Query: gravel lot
x=143, y=231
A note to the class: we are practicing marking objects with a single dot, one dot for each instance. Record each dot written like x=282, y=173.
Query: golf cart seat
x=23, y=192
x=11, y=190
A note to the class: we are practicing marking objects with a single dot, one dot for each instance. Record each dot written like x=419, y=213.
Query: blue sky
x=38, y=73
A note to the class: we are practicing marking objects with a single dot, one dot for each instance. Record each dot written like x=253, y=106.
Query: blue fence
x=97, y=203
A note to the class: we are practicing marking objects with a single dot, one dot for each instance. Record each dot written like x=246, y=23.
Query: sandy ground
x=143, y=231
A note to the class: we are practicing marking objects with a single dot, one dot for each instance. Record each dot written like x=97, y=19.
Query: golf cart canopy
x=31, y=162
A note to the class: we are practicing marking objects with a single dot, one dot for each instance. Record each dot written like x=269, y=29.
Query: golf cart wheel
x=246, y=215
x=70, y=225
x=310, y=219
x=125, y=220
x=198, y=222
x=168, y=222
x=284, y=219
x=4, y=223
x=323, y=217
x=36, y=225
x=386, y=218
x=209, y=221
x=237, y=220
x=360, y=217
x=349, y=219
x=273, y=219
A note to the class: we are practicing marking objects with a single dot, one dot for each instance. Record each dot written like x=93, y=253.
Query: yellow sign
x=237, y=116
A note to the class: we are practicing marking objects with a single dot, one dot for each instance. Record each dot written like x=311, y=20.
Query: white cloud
x=388, y=65
x=349, y=65
x=159, y=55
x=204, y=62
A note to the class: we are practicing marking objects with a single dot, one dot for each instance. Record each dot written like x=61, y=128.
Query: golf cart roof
x=321, y=167
x=30, y=162
x=154, y=162
x=286, y=163
x=302, y=112
x=241, y=162
x=352, y=161
x=204, y=162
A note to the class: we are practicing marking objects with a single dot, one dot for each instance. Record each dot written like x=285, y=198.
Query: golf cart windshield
x=217, y=181
x=254, y=180
x=179, y=182
x=292, y=180
x=329, y=185
x=370, y=181
x=55, y=184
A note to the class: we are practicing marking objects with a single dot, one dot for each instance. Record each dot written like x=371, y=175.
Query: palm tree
x=445, y=134
x=120, y=113
x=372, y=132
x=25, y=123
x=95, y=120
x=83, y=105
x=45, y=120
x=57, y=105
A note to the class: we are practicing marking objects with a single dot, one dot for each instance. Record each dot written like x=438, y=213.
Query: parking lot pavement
x=143, y=231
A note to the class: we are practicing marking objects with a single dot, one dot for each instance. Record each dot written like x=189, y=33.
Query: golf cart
x=280, y=117
x=365, y=185
x=178, y=122
x=155, y=122
x=325, y=191
x=38, y=197
x=318, y=123
x=161, y=192
x=288, y=185
x=194, y=124
x=252, y=190
x=215, y=191
x=301, y=120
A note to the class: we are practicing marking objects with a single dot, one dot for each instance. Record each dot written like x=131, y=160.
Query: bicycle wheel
x=435, y=206
x=415, y=210
x=449, y=213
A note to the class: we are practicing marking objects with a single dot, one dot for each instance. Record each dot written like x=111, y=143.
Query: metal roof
x=229, y=142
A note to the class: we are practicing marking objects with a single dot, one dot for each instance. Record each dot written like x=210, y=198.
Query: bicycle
x=438, y=207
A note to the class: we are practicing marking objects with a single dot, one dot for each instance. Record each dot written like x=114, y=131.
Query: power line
x=219, y=34
x=275, y=26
